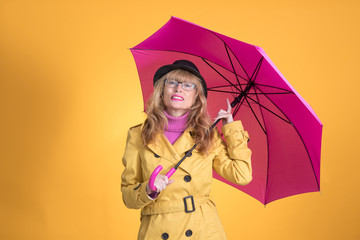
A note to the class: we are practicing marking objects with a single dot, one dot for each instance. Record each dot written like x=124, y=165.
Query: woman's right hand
x=161, y=182
x=225, y=115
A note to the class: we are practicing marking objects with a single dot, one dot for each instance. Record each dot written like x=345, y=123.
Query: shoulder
x=135, y=131
x=138, y=126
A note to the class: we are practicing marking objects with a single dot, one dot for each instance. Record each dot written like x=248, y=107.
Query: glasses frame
x=182, y=84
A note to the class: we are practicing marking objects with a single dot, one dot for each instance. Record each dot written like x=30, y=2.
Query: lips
x=177, y=98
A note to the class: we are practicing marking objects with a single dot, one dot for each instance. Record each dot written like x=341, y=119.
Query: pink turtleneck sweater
x=176, y=127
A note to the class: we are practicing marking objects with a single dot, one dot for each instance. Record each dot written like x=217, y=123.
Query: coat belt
x=174, y=205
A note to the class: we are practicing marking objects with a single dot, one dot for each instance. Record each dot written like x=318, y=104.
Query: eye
x=188, y=85
x=171, y=82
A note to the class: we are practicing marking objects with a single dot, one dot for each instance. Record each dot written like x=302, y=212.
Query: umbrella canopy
x=285, y=132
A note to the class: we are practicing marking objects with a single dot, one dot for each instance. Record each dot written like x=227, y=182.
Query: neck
x=176, y=126
x=176, y=123
x=176, y=113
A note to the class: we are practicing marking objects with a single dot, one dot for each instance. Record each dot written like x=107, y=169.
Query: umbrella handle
x=154, y=175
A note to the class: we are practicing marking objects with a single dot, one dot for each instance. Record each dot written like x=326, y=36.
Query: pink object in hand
x=170, y=173
x=154, y=175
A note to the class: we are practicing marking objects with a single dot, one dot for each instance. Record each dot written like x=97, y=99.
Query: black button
x=165, y=236
x=188, y=233
x=187, y=178
x=190, y=154
x=155, y=155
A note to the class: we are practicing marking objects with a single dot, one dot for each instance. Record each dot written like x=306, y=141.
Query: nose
x=178, y=88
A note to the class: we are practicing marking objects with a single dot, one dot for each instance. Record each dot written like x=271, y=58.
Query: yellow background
x=69, y=91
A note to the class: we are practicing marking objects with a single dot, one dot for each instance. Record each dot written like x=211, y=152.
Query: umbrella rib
x=268, y=109
x=254, y=75
x=252, y=110
x=264, y=93
x=283, y=89
x=212, y=90
x=222, y=86
x=232, y=65
x=223, y=91
x=249, y=85
x=205, y=60
x=221, y=74
x=231, y=52
x=257, y=69
x=268, y=155
x=259, y=84
x=256, y=117
x=272, y=103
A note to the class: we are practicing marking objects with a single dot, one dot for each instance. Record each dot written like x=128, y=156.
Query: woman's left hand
x=225, y=115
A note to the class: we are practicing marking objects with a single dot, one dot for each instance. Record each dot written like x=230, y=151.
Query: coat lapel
x=184, y=143
x=173, y=153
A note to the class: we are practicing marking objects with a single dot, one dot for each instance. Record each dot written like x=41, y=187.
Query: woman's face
x=178, y=101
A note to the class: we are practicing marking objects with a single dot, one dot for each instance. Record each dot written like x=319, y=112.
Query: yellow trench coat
x=184, y=210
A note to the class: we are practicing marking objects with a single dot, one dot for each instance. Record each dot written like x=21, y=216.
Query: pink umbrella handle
x=154, y=175
x=170, y=173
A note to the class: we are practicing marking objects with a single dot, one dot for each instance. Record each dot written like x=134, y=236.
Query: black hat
x=181, y=64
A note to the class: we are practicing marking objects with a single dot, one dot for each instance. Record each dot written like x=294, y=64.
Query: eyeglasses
x=187, y=86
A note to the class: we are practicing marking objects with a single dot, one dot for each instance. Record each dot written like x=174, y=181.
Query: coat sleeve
x=233, y=159
x=133, y=187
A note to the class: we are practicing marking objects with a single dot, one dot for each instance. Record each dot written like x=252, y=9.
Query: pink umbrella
x=285, y=132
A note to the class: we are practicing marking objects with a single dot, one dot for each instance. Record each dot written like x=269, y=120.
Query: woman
x=177, y=118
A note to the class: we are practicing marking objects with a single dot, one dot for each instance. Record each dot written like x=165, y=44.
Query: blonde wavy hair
x=198, y=119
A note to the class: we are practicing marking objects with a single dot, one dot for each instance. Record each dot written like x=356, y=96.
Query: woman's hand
x=161, y=182
x=225, y=115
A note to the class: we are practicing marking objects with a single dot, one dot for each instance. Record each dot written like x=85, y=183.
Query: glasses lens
x=171, y=82
x=188, y=85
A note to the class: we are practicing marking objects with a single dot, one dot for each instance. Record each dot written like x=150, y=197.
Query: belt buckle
x=192, y=202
